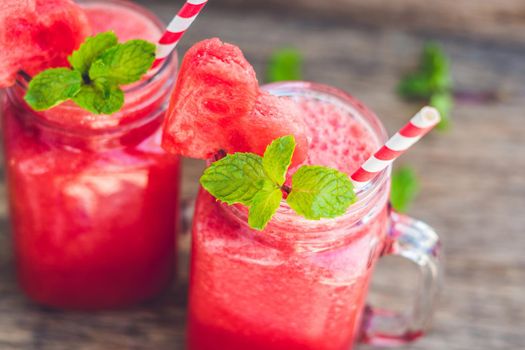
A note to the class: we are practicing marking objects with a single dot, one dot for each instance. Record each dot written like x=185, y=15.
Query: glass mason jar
x=93, y=199
x=302, y=284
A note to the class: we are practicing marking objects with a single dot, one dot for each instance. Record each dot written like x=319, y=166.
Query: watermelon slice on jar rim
x=217, y=105
x=38, y=34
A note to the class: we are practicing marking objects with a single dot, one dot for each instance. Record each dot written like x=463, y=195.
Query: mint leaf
x=52, y=87
x=99, y=66
x=435, y=66
x=251, y=180
x=100, y=98
x=236, y=178
x=124, y=63
x=432, y=76
x=285, y=64
x=257, y=182
x=277, y=158
x=415, y=85
x=404, y=188
x=264, y=205
x=443, y=102
x=90, y=50
x=431, y=82
x=320, y=192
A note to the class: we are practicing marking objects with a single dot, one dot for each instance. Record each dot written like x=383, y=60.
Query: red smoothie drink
x=298, y=284
x=93, y=198
x=263, y=276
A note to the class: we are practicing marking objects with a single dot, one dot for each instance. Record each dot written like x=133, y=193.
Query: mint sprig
x=431, y=82
x=237, y=178
x=124, y=63
x=277, y=158
x=258, y=182
x=404, y=188
x=52, y=87
x=443, y=102
x=320, y=192
x=98, y=69
x=102, y=97
x=264, y=205
x=90, y=50
x=284, y=64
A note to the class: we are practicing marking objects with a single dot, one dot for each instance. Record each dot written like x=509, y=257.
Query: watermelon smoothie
x=93, y=199
x=298, y=284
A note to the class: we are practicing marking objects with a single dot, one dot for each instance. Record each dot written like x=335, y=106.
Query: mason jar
x=93, y=199
x=302, y=284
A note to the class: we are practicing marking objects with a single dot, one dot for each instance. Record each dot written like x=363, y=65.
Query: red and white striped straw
x=414, y=130
x=176, y=29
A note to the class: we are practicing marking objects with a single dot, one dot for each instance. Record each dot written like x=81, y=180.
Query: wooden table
x=472, y=178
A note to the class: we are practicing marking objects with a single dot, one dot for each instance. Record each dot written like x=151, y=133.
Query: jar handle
x=419, y=243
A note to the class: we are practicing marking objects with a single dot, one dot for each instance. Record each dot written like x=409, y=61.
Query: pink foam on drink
x=125, y=22
x=337, y=139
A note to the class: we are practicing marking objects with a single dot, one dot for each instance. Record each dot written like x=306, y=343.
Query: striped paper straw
x=176, y=29
x=415, y=129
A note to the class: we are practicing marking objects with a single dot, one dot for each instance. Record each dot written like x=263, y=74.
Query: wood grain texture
x=502, y=20
x=473, y=182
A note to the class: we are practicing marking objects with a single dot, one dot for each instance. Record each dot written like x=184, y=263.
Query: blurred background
x=471, y=175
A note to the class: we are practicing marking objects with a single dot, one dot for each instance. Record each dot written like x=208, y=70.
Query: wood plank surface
x=502, y=20
x=472, y=179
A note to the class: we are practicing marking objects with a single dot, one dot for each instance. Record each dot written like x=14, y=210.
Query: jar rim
x=154, y=19
x=366, y=196
x=162, y=72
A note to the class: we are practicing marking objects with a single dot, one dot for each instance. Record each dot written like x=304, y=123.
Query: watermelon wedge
x=217, y=105
x=38, y=34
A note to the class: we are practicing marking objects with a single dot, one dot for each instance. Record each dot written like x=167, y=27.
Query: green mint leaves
x=258, y=182
x=237, y=178
x=320, y=192
x=285, y=64
x=98, y=68
x=278, y=157
x=432, y=76
x=404, y=188
x=432, y=82
x=443, y=102
x=265, y=204
x=252, y=180
x=101, y=97
x=52, y=87
x=90, y=50
x=124, y=63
